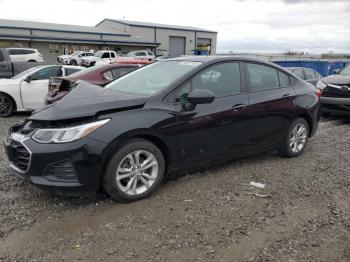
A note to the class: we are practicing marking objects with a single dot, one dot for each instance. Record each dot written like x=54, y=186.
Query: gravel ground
x=206, y=215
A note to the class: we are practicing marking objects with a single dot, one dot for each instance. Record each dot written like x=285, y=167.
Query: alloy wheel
x=298, y=138
x=137, y=172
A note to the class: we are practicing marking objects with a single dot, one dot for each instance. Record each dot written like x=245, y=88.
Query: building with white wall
x=118, y=35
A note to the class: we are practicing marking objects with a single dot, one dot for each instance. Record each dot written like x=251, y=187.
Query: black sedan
x=336, y=93
x=167, y=116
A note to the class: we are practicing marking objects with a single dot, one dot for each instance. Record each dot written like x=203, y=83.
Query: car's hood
x=91, y=58
x=87, y=100
x=336, y=80
x=64, y=56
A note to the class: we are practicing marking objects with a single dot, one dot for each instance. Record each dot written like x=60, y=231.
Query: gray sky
x=244, y=25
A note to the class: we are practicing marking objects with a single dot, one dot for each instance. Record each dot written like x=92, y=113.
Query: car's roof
x=21, y=48
x=213, y=59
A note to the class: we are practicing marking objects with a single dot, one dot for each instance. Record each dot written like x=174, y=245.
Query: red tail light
x=318, y=93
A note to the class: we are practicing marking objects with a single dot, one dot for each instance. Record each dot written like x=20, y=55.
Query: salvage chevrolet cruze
x=167, y=116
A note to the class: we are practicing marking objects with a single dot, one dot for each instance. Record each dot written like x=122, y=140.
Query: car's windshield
x=345, y=71
x=130, y=54
x=76, y=53
x=98, y=54
x=26, y=72
x=84, y=71
x=153, y=78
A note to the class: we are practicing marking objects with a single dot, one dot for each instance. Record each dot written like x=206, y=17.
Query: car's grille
x=19, y=155
x=330, y=91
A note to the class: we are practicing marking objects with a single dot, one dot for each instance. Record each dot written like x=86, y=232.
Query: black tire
x=33, y=61
x=110, y=184
x=286, y=148
x=92, y=64
x=73, y=62
x=7, y=106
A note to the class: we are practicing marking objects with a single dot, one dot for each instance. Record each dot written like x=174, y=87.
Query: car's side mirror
x=28, y=79
x=336, y=71
x=201, y=96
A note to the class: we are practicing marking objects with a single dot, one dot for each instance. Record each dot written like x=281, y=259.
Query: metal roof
x=19, y=24
x=156, y=25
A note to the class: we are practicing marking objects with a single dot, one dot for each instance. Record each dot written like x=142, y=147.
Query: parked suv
x=103, y=55
x=74, y=59
x=25, y=55
x=166, y=116
x=142, y=54
x=336, y=92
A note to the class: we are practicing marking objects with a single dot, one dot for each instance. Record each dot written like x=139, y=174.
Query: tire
x=73, y=62
x=33, y=61
x=125, y=182
x=7, y=106
x=300, y=130
x=92, y=64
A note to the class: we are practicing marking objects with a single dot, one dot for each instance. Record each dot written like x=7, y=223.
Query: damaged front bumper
x=62, y=168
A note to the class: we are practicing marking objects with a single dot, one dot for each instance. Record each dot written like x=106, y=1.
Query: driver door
x=35, y=87
x=215, y=130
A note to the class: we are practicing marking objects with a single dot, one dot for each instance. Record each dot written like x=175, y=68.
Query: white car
x=27, y=90
x=25, y=55
x=74, y=59
x=142, y=55
x=105, y=55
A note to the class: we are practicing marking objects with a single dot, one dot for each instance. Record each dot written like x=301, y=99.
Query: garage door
x=176, y=46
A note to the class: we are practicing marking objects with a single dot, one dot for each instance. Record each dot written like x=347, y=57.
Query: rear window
x=70, y=71
x=150, y=53
x=20, y=51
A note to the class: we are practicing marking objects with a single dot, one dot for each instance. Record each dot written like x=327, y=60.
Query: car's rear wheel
x=7, y=105
x=134, y=171
x=296, y=139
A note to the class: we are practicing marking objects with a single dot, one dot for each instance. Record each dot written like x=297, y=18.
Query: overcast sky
x=243, y=25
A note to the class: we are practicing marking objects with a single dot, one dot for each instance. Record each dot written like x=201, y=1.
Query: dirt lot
x=203, y=216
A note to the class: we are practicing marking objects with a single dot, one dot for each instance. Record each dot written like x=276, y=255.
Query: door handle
x=238, y=107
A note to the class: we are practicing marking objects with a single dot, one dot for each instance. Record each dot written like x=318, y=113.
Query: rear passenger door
x=271, y=105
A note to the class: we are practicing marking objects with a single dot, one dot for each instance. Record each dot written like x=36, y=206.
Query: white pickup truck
x=106, y=56
x=27, y=90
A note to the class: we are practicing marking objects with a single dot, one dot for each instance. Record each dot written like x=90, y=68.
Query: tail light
x=318, y=93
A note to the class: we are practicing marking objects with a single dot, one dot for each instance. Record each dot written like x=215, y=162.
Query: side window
x=139, y=54
x=47, y=73
x=108, y=75
x=70, y=71
x=112, y=55
x=150, y=53
x=262, y=77
x=222, y=79
x=283, y=79
x=1, y=57
x=309, y=74
x=105, y=55
x=27, y=52
x=118, y=72
x=299, y=73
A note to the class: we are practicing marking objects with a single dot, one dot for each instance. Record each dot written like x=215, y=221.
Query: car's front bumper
x=336, y=105
x=75, y=166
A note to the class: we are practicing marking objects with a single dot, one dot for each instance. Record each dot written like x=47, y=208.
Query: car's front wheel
x=134, y=171
x=296, y=139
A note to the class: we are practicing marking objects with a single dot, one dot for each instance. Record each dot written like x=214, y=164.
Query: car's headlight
x=69, y=134
x=320, y=85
